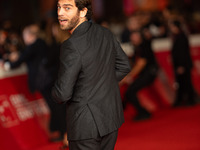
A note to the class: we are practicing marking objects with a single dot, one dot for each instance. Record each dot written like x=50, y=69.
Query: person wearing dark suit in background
x=143, y=73
x=3, y=37
x=91, y=65
x=182, y=63
x=32, y=55
x=42, y=70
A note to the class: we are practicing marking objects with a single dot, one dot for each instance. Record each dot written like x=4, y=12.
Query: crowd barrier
x=22, y=111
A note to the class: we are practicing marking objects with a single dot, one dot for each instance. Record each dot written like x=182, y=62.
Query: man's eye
x=67, y=8
x=58, y=7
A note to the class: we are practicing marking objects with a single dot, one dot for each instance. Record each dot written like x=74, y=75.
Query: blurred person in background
x=143, y=73
x=182, y=63
x=132, y=23
x=41, y=74
x=157, y=26
x=3, y=37
x=171, y=13
x=153, y=21
x=32, y=55
x=14, y=46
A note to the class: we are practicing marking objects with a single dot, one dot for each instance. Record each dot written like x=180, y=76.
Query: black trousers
x=106, y=142
x=145, y=79
x=185, y=91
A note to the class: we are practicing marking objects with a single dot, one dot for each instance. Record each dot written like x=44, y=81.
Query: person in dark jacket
x=32, y=55
x=182, y=64
x=42, y=72
x=91, y=65
x=143, y=73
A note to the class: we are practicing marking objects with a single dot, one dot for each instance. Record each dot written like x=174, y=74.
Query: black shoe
x=141, y=117
x=190, y=103
x=177, y=104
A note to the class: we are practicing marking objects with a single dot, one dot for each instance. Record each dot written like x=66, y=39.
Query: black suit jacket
x=92, y=63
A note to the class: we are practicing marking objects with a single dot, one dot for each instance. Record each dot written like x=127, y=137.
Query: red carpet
x=168, y=129
x=172, y=129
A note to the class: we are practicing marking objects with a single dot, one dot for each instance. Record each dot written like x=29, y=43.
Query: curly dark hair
x=85, y=4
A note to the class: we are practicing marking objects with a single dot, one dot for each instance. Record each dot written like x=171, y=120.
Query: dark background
x=22, y=12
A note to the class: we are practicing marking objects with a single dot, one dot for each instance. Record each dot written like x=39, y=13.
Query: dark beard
x=73, y=23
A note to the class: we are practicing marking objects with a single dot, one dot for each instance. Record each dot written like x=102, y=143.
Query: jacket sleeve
x=122, y=65
x=70, y=65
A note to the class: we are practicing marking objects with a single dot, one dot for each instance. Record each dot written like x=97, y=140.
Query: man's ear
x=83, y=12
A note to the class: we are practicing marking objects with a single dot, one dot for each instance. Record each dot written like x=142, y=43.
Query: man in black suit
x=35, y=50
x=91, y=65
x=182, y=64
